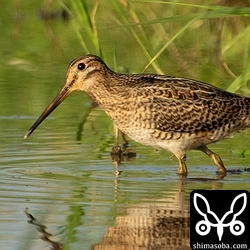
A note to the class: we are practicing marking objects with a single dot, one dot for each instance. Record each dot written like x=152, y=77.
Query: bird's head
x=82, y=75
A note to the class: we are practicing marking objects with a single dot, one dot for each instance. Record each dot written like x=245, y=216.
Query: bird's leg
x=216, y=158
x=124, y=138
x=172, y=156
x=117, y=150
x=182, y=165
x=116, y=134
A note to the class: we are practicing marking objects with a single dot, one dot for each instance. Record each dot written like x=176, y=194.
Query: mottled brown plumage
x=173, y=113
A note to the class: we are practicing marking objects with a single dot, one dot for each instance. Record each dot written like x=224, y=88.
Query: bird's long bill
x=56, y=102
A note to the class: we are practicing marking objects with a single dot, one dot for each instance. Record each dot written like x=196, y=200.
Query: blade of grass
x=86, y=20
x=138, y=39
x=244, y=77
x=236, y=39
x=185, y=27
x=201, y=6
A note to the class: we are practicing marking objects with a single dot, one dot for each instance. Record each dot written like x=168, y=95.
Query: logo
x=219, y=218
x=203, y=227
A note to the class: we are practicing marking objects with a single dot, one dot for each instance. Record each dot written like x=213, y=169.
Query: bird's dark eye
x=81, y=66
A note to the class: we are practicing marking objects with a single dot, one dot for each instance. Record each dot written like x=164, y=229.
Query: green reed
x=194, y=40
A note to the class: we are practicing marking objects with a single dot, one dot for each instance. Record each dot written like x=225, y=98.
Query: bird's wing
x=184, y=105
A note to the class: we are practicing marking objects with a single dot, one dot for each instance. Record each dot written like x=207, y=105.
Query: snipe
x=173, y=113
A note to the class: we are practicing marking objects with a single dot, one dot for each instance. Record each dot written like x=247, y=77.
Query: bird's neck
x=112, y=94
x=110, y=90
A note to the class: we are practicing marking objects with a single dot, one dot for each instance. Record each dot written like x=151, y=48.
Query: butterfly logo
x=203, y=227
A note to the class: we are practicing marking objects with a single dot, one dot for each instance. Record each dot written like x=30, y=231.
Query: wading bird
x=173, y=113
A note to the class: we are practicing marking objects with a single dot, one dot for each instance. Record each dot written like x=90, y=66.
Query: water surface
x=60, y=188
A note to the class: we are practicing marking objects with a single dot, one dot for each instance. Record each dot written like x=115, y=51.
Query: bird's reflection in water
x=45, y=236
x=162, y=224
x=151, y=223
x=145, y=228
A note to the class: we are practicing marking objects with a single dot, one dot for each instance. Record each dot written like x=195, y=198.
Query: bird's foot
x=119, y=153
